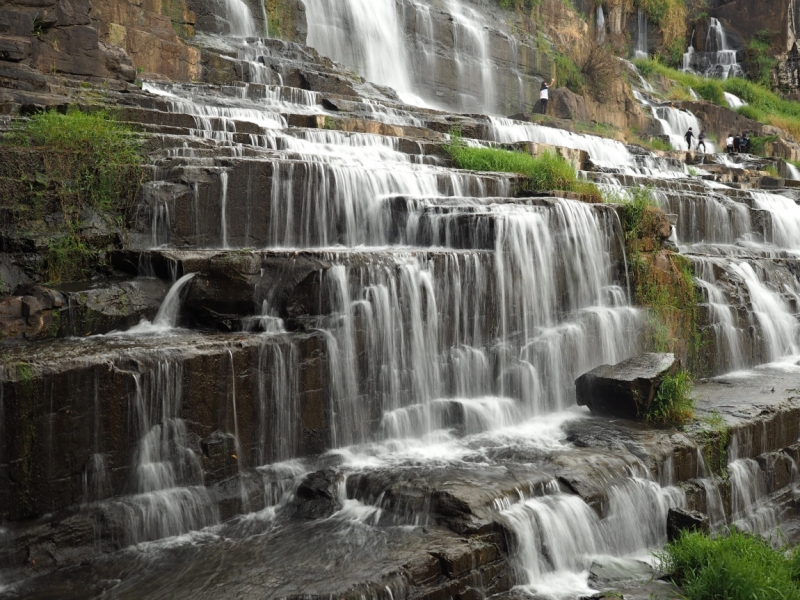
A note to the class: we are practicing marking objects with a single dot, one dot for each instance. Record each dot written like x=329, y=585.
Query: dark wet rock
x=626, y=389
x=680, y=520
x=565, y=104
x=220, y=459
x=102, y=307
x=779, y=468
x=317, y=496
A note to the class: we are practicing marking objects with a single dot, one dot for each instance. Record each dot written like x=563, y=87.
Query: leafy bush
x=673, y=404
x=737, y=567
x=548, y=171
x=634, y=208
x=758, y=143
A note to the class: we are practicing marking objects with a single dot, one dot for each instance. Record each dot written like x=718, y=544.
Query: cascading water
x=642, y=48
x=718, y=59
x=600, y=24
x=441, y=327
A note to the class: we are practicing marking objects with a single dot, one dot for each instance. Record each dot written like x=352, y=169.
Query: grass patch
x=739, y=566
x=651, y=143
x=759, y=61
x=91, y=161
x=673, y=404
x=545, y=172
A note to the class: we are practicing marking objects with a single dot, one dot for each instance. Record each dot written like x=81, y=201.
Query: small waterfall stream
x=718, y=59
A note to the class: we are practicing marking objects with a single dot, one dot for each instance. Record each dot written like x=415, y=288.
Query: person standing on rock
x=744, y=143
x=737, y=141
x=701, y=140
x=689, y=137
x=729, y=143
x=544, y=94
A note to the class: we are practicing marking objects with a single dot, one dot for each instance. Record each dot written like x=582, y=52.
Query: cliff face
x=104, y=39
x=152, y=33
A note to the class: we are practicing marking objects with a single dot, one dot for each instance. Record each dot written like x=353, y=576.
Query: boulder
x=565, y=104
x=317, y=497
x=680, y=520
x=626, y=389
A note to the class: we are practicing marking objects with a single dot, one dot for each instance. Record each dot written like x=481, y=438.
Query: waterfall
x=370, y=37
x=600, y=24
x=558, y=535
x=167, y=315
x=750, y=510
x=734, y=101
x=718, y=59
x=239, y=19
x=169, y=498
x=675, y=123
x=642, y=47
x=363, y=34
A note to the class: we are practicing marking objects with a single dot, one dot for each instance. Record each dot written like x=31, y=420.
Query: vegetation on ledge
x=739, y=566
x=92, y=168
x=545, y=172
x=662, y=280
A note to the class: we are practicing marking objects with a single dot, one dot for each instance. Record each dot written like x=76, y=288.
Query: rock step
x=285, y=202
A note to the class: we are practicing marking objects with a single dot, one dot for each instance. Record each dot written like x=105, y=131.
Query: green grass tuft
x=545, y=172
x=673, y=404
x=737, y=567
x=91, y=161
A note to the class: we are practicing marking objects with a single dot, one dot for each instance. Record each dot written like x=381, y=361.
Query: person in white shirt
x=544, y=94
x=729, y=143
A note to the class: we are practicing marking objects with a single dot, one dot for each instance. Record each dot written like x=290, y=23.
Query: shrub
x=91, y=161
x=548, y=171
x=739, y=566
x=673, y=404
x=600, y=69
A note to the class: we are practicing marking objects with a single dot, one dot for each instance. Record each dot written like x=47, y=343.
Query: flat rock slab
x=626, y=389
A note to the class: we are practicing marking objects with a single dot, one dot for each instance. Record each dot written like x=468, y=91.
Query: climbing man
x=544, y=94
x=701, y=140
x=689, y=137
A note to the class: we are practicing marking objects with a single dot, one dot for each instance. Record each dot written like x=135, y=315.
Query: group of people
x=737, y=143
x=734, y=143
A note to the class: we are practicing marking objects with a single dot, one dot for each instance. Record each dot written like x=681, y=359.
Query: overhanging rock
x=626, y=389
